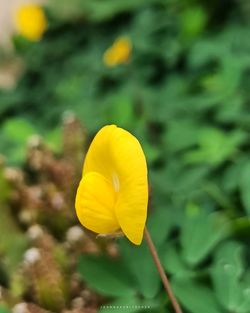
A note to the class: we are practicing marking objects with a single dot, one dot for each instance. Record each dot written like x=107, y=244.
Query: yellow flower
x=31, y=21
x=118, y=53
x=113, y=193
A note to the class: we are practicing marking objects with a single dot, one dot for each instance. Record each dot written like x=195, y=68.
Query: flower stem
x=161, y=271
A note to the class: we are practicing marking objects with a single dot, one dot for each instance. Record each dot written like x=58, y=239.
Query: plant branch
x=161, y=271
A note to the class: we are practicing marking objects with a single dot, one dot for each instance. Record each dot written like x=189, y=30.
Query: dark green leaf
x=106, y=276
x=195, y=297
x=140, y=263
x=201, y=232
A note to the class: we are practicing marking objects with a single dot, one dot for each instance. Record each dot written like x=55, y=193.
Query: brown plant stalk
x=162, y=273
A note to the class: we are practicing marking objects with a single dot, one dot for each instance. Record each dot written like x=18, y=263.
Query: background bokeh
x=176, y=74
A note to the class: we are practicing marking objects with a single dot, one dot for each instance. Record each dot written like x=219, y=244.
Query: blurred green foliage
x=185, y=95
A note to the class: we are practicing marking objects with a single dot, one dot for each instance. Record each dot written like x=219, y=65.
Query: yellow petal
x=118, y=53
x=98, y=158
x=31, y=21
x=131, y=168
x=118, y=156
x=122, y=48
x=110, y=58
x=95, y=200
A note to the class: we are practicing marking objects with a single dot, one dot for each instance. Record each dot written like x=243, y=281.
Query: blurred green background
x=183, y=88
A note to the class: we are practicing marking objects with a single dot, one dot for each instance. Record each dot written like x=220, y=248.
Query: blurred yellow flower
x=118, y=53
x=31, y=21
x=113, y=193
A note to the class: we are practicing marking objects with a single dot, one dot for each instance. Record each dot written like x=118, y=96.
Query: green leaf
x=54, y=140
x=106, y=276
x=160, y=224
x=152, y=152
x=244, y=306
x=195, y=297
x=178, y=179
x=100, y=10
x=226, y=273
x=65, y=10
x=18, y=129
x=225, y=82
x=15, y=133
x=193, y=21
x=205, y=51
x=174, y=264
x=181, y=134
x=140, y=263
x=121, y=111
x=244, y=185
x=232, y=175
x=201, y=232
x=215, y=146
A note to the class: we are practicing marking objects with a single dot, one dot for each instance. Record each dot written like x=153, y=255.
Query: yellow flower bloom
x=118, y=53
x=31, y=21
x=113, y=192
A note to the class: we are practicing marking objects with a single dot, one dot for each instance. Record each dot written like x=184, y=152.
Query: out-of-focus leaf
x=195, y=297
x=152, y=152
x=174, y=264
x=244, y=185
x=226, y=80
x=215, y=146
x=140, y=263
x=101, y=10
x=66, y=10
x=18, y=129
x=201, y=232
x=121, y=111
x=160, y=223
x=15, y=133
x=226, y=273
x=53, y=139
x=193, y=21
x=245, y=304
x=232, y=175
x=181, y=135
x=105, y=276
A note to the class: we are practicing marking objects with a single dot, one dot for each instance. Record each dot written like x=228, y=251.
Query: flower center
x=116, y=182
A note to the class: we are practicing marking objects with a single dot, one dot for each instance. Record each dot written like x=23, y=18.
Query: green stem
x=161, y=271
